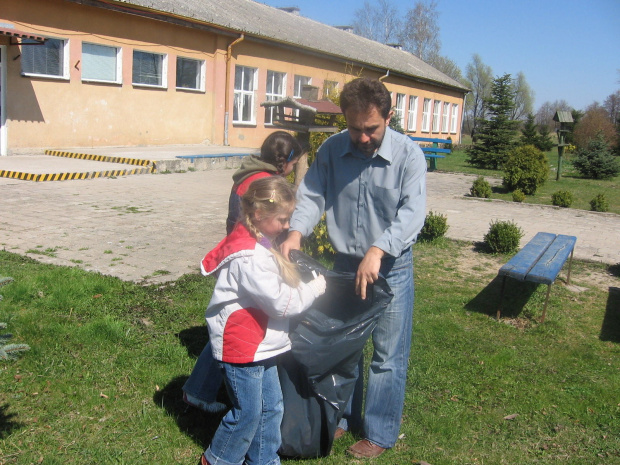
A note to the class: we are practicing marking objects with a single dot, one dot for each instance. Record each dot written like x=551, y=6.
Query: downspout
x=227, y=86
x=387, y=73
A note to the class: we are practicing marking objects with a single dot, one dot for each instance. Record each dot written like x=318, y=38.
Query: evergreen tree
x=545, y=142
x=529, y=134
x=496, y=135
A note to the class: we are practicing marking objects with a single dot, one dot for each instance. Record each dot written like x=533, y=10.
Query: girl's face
x=271, y=226
x=288, y=167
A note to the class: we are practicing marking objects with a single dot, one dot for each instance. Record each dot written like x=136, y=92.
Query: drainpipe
x=227, y=86
x=387, y=73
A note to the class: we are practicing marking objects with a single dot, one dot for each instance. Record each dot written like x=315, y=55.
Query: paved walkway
x=157, y=227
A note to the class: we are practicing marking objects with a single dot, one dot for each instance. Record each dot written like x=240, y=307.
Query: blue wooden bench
x=433, y=152
x=192, y=158
x=540, y=261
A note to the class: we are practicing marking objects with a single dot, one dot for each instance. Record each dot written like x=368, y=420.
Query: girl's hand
x=318, y=285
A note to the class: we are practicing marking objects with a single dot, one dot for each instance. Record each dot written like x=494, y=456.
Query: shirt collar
x=385, y=150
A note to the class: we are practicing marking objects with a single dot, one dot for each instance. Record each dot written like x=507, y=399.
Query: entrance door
x=3, y=141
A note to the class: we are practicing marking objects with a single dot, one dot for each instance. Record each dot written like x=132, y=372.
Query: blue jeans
x=387, y=375
x=250, y=430
x=206, y=378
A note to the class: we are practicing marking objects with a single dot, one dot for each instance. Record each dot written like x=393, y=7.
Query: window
x=399, y=109
x=329, y=88
x=445, y=117
x=149, y=69
x=190, y=74
x=276, y=90
x=245, y=85
x=300, y=82
x=412, y=114
x=426, y=115
x=436, y=115
x=455, y=118
x=48, y=59
x=101, y=63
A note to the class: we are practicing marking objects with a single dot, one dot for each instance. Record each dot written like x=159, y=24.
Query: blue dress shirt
x=378, y=200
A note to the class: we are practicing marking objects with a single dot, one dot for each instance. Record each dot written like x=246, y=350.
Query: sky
x=567, y=49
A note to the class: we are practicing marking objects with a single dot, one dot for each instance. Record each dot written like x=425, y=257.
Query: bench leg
x=501, y=298
x=570, y=265
x=542, y=320
x=433, y=164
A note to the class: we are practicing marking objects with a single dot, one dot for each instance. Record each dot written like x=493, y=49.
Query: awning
x=8, y=31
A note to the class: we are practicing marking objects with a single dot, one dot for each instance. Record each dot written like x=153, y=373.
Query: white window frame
x=271, y=93
x=34, y=46
x=240, y=94
x=412, y=114
x=436, y=115
x=200, y=78
x=454, y=118
x=399, y=108
x=118, y=64
x=445, y=118
x=426, y=115
x=164, y=70
x=300, y=81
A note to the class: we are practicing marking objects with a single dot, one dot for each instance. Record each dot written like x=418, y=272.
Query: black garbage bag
x=318, y=374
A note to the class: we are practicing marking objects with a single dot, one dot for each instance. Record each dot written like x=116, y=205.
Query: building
x=88, y=73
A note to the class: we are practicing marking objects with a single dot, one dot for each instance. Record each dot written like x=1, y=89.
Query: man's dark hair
x=359, y=94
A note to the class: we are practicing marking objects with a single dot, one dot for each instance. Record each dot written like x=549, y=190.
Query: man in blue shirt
x=370, y=181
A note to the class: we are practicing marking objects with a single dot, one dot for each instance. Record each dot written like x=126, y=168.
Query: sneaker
x=209, y=407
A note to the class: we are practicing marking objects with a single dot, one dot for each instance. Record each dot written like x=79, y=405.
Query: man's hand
x=292, y=242
x=368, y=271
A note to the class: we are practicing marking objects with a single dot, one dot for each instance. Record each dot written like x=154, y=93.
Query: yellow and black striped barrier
x=145, y=167
x=69, y=176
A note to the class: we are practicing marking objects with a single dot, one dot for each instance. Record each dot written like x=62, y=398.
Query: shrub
x=435, y=226
x=562, y=199
x=599, y=204
x=596, y=160
x=503, y=237
x=526, y=169
x=317, y=245
x=480, y=188
x=518, y=196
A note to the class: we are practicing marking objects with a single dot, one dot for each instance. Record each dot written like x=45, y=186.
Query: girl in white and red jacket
x=257, y=290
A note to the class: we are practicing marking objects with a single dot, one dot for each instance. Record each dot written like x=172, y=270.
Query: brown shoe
x=365, y=449
x=339, y=433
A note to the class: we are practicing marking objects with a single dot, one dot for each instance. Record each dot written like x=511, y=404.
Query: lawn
x=583, y=190
x=102, y=381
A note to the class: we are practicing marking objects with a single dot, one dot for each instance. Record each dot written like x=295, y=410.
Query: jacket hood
x=251, y=165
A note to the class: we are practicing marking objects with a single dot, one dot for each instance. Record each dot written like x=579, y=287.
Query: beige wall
x=57, y=113
x=52, y=113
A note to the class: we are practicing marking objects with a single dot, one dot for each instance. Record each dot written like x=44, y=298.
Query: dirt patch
x=473, y=262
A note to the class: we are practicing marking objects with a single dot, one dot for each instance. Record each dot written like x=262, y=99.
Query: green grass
x=583, y=190
x=102, y=381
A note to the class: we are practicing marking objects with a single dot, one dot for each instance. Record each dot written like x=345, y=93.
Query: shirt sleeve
x=411, y=213
x=311, y=196
x=261, y=282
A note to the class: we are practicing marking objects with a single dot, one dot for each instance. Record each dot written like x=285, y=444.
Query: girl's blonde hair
x=271, y=196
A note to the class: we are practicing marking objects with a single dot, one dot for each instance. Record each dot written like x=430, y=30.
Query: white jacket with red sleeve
x=248, y=313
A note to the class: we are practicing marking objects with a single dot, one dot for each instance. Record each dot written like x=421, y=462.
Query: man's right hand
x=292, y=242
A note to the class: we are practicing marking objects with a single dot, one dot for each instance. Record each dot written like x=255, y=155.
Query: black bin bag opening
x=318, y=374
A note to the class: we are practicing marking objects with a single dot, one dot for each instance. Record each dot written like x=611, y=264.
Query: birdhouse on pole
x=565, y=119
